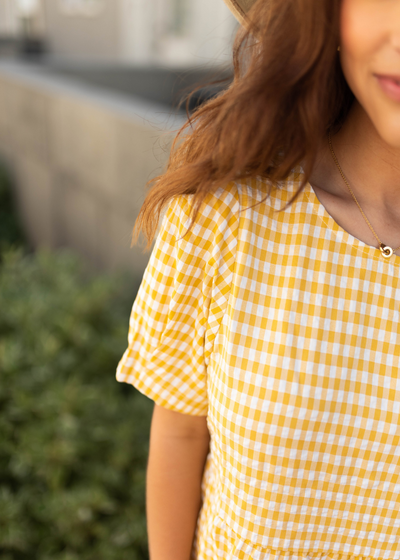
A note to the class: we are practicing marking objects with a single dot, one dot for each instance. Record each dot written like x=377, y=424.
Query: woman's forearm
x=173, y=492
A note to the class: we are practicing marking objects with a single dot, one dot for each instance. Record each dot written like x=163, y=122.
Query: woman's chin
x=388, y=128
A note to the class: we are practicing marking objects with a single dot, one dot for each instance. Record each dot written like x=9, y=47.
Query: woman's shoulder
x=273, y=193
x=218, y=210
x=224, y=206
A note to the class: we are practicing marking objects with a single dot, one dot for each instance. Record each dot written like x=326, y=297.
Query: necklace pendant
x=386, y=251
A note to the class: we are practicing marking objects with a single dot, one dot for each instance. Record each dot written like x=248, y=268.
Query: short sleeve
x=180, y=303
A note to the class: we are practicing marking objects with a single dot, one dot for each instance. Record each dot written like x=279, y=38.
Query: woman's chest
x=312, y=346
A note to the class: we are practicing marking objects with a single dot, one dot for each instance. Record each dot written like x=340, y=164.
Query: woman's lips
x=390, y=85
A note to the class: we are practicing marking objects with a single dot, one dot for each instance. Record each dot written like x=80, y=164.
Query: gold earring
x=338, y=48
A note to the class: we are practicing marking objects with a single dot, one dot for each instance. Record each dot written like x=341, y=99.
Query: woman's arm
x=179, y=444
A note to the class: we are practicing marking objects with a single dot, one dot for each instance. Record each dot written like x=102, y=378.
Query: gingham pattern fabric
x=283, y=329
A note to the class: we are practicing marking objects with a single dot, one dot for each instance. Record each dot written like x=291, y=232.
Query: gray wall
x=81, y=159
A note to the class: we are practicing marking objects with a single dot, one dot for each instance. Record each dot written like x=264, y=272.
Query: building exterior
x=21, y=17
x=140, y=32
x=84, y=128
x=8, y=19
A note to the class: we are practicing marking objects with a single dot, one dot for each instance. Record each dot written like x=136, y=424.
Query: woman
x=267, y=325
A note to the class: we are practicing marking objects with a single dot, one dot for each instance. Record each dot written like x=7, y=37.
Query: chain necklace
x=386, y=251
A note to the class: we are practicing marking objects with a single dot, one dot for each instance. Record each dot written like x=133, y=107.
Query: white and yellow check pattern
x=284, y=330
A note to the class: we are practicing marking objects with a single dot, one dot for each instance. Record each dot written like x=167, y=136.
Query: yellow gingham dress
x=284, y=330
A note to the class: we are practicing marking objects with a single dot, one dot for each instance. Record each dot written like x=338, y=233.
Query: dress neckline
x=343, y=235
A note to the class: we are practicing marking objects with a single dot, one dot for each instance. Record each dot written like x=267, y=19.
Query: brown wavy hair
x=288, y=90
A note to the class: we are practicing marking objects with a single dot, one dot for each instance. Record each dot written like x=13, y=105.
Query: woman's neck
x=372, y=169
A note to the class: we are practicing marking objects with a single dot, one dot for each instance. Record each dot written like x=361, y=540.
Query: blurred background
x=91, y=97
x=89, y=94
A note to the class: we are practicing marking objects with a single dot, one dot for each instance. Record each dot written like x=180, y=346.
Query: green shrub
x=73, y=441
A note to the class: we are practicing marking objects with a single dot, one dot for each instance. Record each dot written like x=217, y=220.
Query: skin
x=179, y=445
x=368, y=144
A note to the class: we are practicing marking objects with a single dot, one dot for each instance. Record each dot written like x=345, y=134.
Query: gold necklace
x=386, y=251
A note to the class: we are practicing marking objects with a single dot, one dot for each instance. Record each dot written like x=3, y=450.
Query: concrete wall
x=81, y=159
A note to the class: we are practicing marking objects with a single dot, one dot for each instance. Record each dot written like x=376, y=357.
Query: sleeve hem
x=157, y=398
